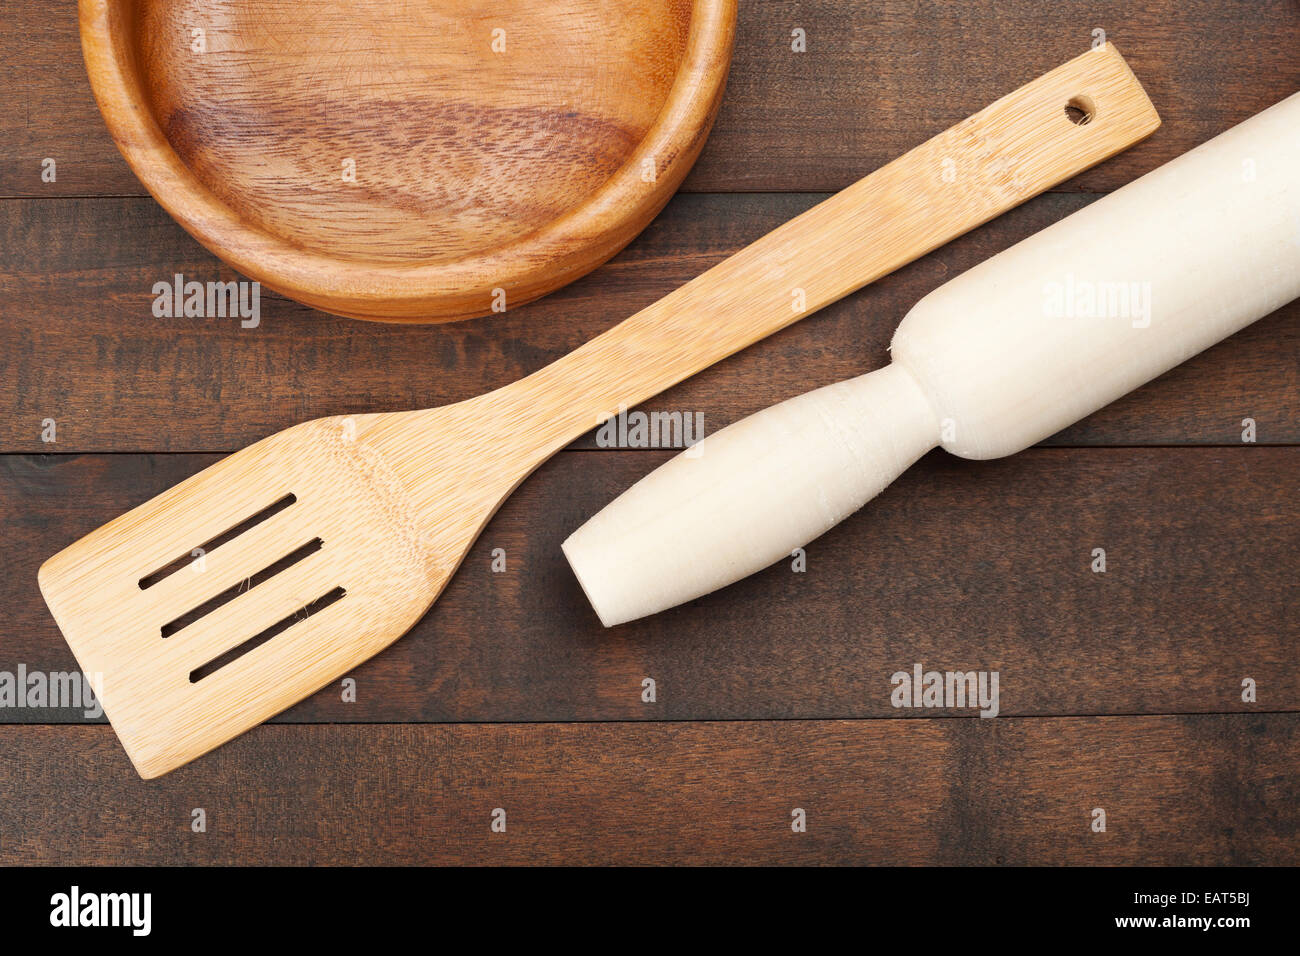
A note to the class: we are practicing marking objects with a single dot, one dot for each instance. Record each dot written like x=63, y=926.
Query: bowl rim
x=528, y=267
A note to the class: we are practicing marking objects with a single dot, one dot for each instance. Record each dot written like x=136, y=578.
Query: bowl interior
x=397, y=130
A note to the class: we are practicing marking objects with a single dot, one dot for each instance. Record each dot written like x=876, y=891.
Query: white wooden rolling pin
x=990, y=363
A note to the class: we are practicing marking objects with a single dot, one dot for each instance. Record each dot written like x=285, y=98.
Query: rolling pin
x=992, y=362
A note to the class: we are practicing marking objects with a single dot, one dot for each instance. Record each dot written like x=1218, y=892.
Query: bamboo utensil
x=990, y=363
x=416, y=162
x=257, y=581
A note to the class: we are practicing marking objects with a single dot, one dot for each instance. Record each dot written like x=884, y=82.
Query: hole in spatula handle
x=1080, y=110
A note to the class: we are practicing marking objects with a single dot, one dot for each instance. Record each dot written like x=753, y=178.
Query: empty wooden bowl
x=410, y=161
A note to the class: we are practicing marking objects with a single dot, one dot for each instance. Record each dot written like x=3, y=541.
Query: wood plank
x=79, y=343
x=959, y=566
x=880, y=77
x=1176, y=791
x=877, y=79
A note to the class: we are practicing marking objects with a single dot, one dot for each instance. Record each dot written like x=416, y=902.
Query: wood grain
x=402, y=163
x=381, y=509
x=1200, y=589
x=1176, y=791
x=988, y=568
x=79, y=343
x=876, y=79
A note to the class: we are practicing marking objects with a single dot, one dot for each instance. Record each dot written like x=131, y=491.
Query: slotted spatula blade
x=259, y=580
x=245, y=588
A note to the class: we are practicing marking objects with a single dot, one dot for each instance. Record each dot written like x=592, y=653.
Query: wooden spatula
x=259, y=580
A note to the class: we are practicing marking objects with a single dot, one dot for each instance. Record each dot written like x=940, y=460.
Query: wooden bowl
x=410, y=160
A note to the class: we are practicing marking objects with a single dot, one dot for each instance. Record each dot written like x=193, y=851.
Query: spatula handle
x=990, y=162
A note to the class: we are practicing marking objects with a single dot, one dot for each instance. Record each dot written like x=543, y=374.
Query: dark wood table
x=1120, y=690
